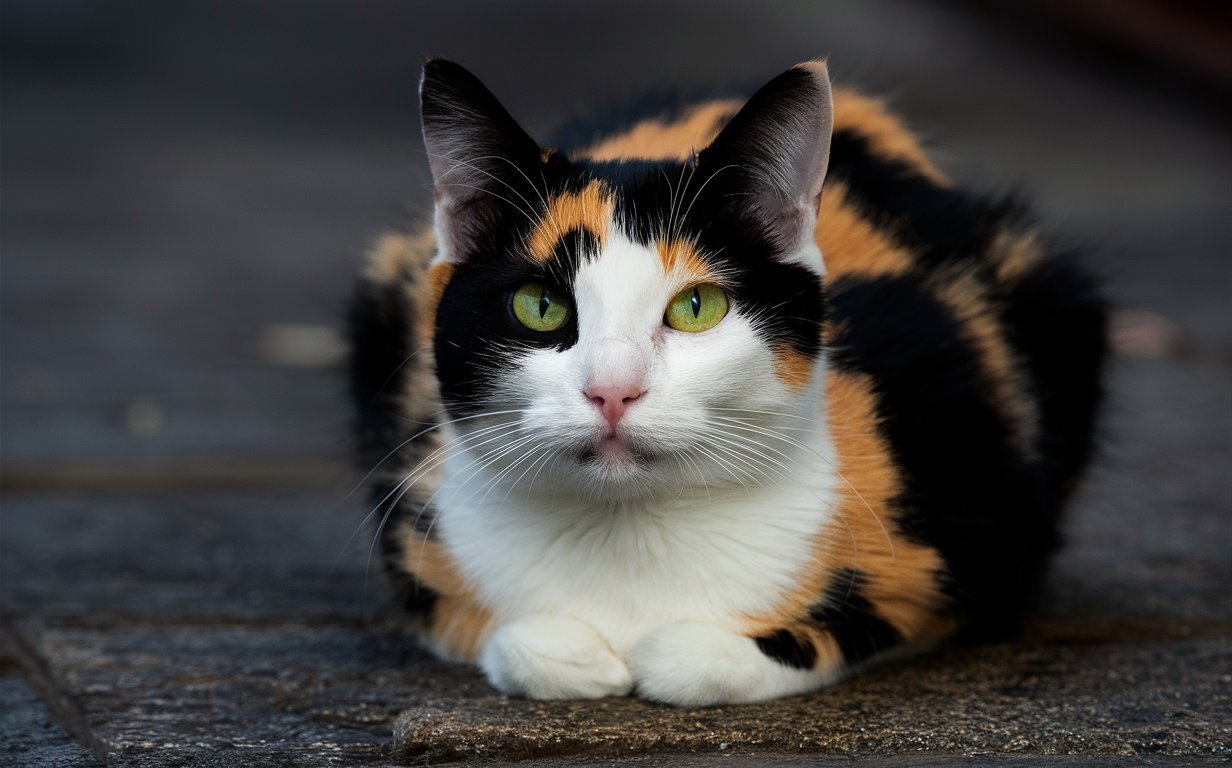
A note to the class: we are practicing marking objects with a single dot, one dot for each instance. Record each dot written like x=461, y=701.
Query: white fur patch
x=694, y=665
x=583, y=560
x=553, y=657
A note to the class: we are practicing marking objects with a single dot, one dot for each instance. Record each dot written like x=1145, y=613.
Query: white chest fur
x=708, y=555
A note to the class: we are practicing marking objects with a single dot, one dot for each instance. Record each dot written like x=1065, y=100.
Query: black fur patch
x=788, y=648
x=847, y=615
x=379, y=331
x=1057, y=320
x=936, y=224
x=967, y=492
x=482, y=336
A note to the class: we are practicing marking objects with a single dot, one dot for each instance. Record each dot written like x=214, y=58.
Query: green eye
x=538, y=308
x=696, y=309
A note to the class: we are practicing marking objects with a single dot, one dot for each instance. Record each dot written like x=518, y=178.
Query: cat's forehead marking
x=677, y=255
x=588, y=209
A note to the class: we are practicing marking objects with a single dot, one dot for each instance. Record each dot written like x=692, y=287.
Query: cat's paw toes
x=553, y=657
x=690, y=664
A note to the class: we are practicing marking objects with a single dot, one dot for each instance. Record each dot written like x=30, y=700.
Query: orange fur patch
x=431, y=564
x=459, y=624
x=863, y=535
x=659, y=140
x=793, y=368
x=885, y=133
x=460, y=628
x=850, y=244
x=590, y=209
x=681, y=255
x=968, y=300
x=1016, y=255
x=433, y=289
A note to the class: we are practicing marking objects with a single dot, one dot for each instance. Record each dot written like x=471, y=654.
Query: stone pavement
x=186, y=191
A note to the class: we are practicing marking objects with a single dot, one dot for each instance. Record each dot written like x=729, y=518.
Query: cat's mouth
x=614, y=453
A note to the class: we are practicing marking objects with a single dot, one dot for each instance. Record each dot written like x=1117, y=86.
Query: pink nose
x=612, y=402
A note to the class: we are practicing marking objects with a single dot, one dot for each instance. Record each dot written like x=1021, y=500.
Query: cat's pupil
x=545, y=303
x=696, y=302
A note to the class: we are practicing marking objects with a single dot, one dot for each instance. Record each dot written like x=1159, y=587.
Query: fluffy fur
x=866, y=455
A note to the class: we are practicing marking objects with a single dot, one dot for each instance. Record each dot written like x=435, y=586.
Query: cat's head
x=628, y=326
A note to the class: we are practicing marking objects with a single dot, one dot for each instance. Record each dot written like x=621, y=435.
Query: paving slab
x=156, y=696
x=289, y=695
x=199, y=558
x=1127, y=699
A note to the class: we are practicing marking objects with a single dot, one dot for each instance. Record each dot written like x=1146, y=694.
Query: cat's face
x=627, y=328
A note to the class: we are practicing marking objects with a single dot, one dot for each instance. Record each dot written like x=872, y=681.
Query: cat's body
x=690, y=469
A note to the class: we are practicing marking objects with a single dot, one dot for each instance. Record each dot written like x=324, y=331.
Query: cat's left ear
x=778, y=145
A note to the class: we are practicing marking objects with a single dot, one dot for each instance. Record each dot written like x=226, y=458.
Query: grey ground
x=186, y=192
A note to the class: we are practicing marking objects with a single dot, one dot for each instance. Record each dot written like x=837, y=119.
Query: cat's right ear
x=778, y=145
x=480, y=157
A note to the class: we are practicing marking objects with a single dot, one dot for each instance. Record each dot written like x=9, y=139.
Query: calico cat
x=660, y=412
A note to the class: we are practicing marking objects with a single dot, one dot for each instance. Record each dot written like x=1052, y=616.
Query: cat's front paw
x=553, y=657
x=692, y=664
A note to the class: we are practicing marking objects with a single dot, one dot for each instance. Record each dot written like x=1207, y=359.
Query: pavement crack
x=38, y=675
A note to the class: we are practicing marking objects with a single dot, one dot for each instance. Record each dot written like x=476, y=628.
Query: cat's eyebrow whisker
x=547, y=209
x=511, y=204
x=683, y=187
x=529, y=183
x=698, y=193
x=666, y=223
x=472, y=164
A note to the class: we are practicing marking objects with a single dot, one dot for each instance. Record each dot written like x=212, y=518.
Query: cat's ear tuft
x=779, y=143
x=480, y=157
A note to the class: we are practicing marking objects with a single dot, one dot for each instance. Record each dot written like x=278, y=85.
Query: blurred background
x=188, y=187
